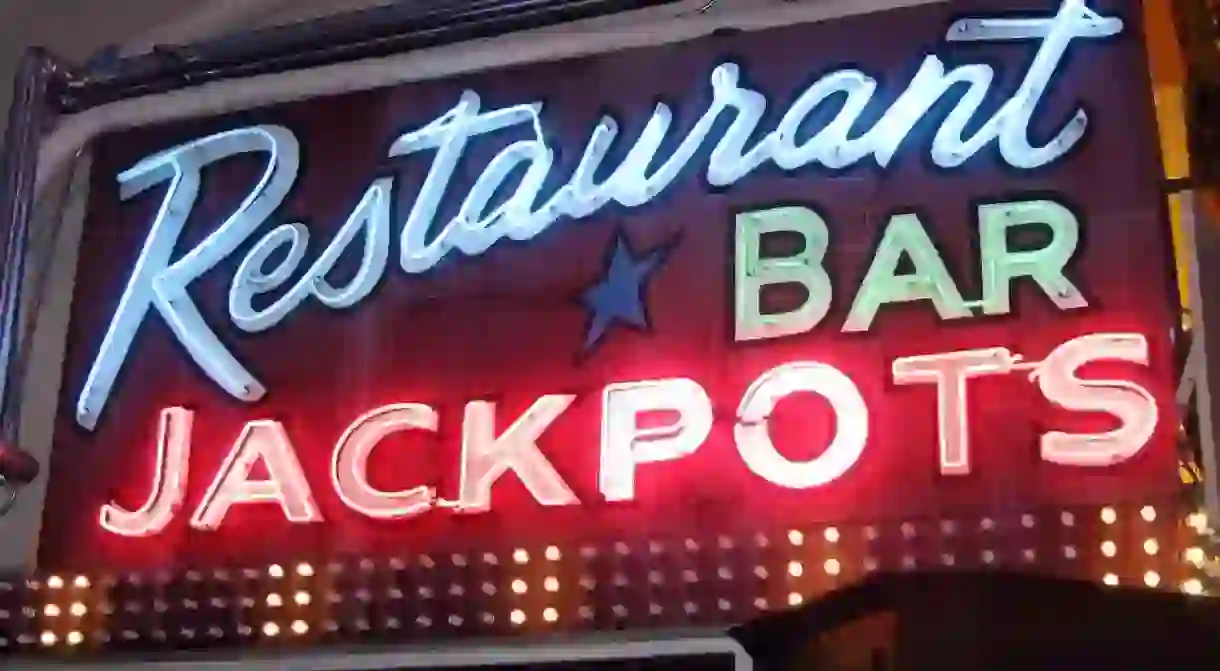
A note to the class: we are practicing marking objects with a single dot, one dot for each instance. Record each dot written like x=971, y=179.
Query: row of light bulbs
x=796, y=569
x=831, y=567
x=1109, y=516
x=521, y=556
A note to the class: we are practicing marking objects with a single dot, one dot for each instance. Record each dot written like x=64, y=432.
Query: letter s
x=1133, y=405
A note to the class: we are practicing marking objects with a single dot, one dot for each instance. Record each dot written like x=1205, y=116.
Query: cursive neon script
x=160, y=283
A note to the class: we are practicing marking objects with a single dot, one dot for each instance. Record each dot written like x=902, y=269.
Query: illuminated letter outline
x=754, y=442
x=287, y=485
x=371, y=214
x=949, y=371
x=882, y=285
x=349, y=464
x=1044, y=266
x=1055, y=376
x=157, y=283
x=1127, y=401
x=619, y=458
x=169, y=481
x=752, y=272
x=486, y=457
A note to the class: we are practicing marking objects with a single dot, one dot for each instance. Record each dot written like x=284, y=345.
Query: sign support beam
x=1203, y=239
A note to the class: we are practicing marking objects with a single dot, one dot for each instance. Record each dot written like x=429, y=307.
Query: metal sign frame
x=639, y=645
x=1200, y=380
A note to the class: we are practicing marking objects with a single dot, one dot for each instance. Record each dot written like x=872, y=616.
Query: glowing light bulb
x=302, y=598
x=795, y=599
x=551, y=584
x=553, y=554
x=1148, y=513
x=795, y=569
x=832, y=567
x=275, y=571
x=520, y=587
x=1110, y=579
x=831, y=535
x=795, y=537
x=1197, y=521
x=1196, y=556
x=271, y=629
x=55, y=582
x=81, y=582
x=300, y=628
x=78, y=609
x=304, y=570
x=1193, y=587
x=49, y=638
x=1152, y=579
x=550, y=615
x=517, y=617
x=51, y=610
x=521, y=556
x=274, y=600
x=1109, y=549
x=1151, y=546
x=1108, y=516
x=75, y=638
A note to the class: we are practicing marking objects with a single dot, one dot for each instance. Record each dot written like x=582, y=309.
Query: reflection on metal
x=8, y=496
x=638, y=650
x=1203, y=238
x=1190, y=370
x=27, y=119
x=1190, y=473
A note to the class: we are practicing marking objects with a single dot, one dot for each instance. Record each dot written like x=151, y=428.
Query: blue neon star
x=620, y=294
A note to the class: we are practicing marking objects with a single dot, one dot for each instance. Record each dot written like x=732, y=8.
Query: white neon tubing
x=635, y=181
x=286, y=484
x=949, y=372
x=626, y=445
x=158, y=283
x=486, y=456
x=170, y=471
x=1130, y=403
x=752, y=431
x=349, y=465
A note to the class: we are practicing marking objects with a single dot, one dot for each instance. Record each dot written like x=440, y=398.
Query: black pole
x=28, y=118
x=380, y=31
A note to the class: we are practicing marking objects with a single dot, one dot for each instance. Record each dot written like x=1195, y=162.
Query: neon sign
x=160, y=283
x=626, y=445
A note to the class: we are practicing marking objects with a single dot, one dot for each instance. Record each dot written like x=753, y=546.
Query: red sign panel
x=894, y=266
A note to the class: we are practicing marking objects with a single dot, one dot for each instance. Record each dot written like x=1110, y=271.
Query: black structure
x=988, y=621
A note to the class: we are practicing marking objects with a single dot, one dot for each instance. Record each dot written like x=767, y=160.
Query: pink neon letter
x=287, y=486
x=625, y=445
x=1129, y=402
x=485, y=457
x=169, y=480
x=950, y=372
x=349, y=468
x=754, y=442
